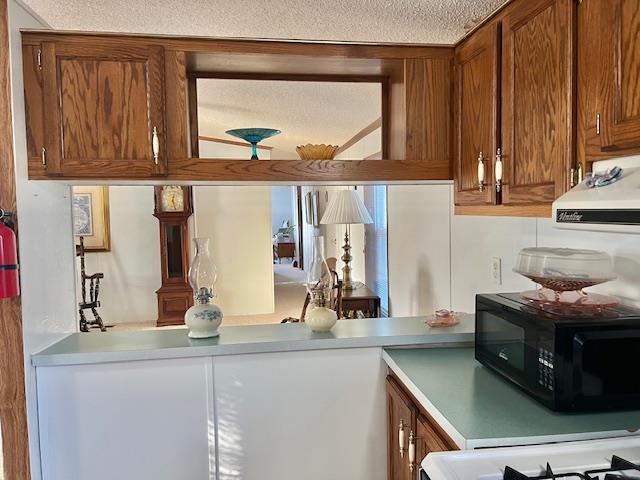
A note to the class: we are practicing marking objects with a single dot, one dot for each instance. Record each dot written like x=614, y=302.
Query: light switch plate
x=496, y=270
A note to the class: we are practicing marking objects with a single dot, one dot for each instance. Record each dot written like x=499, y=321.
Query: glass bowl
x=565, y=269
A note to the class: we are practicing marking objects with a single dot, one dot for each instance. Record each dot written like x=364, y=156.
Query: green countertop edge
x=478, y=408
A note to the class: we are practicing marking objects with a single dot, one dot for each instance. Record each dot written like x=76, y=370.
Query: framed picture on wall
x=315, y=202
x=312, y=200
x=308, y=204
x=91, y=217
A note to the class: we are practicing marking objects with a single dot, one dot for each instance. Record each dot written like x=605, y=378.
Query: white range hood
x=613, y=208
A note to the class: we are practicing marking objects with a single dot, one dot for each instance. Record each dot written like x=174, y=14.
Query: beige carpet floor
x=289, y=294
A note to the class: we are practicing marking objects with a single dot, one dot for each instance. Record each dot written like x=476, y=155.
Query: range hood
x=612, y=208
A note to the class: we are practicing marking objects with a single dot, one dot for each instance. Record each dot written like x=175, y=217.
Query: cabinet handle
x=481, y=172
x=580, y=174
x=572, y=175
x=598, y=124
x=498, y=170
x=155, y=145
x=401, y=438
x=412, y=450
x=43, y=157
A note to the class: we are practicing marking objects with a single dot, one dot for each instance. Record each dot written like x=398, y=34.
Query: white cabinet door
x=147, y=420
x=314, y=415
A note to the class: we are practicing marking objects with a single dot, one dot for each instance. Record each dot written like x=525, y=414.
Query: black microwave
x=568, y=359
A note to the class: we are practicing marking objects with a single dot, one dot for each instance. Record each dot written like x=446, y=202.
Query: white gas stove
x=610, y=459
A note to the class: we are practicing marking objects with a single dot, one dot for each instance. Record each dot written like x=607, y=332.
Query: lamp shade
x=346, y=207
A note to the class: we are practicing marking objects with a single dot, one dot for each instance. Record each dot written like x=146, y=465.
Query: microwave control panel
x=545, y=368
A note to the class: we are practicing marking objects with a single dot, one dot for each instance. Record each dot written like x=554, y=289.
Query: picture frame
x=315, y=205
x=91, y=217
x=308, y=204
x=311, y=203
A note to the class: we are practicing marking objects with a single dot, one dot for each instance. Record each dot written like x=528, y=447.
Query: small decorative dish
x=444, y=318
x=317, y=152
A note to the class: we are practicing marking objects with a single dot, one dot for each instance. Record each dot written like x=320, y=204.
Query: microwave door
x=607, y=365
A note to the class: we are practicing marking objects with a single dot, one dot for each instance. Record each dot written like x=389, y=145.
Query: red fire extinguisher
x=9, y=278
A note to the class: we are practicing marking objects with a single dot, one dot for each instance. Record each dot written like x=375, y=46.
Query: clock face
x=172, y=198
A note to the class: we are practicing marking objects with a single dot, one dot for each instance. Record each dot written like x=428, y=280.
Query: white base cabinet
x=147, y=420
x=312, y=415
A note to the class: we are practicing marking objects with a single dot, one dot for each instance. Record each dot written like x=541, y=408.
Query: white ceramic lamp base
x=321, y=319
x=203, y=320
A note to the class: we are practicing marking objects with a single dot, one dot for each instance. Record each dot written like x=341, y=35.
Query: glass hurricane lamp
x=204, y=317
x=319, y=284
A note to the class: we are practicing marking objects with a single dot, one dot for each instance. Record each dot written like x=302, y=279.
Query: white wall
x=46, y=246
x=132, y=267
x=238, y=221
x=366, y=147
x=424, y=236
x=418, y=249
x=282, y=207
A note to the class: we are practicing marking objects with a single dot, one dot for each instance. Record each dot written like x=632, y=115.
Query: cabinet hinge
x=598, y=124
x=44, y=157
x=39, y=59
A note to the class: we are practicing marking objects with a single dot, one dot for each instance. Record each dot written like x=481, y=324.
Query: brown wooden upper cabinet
x=516, y=120
x=537, y=148
x=476, y=116
x=103, y=107
x=106, y=106
x=609, y=74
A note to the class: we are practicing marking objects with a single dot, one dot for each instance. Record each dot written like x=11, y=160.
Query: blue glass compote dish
x=253, y=136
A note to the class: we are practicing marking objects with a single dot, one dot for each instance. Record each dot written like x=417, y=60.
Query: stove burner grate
x=612, y=473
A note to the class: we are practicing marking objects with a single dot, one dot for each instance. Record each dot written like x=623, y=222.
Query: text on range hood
x=613, y=208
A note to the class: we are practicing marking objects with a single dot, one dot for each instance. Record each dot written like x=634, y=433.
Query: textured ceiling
x=306, y=112
x=381, y=21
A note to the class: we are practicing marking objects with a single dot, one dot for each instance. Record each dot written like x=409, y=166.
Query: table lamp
x=346, y=208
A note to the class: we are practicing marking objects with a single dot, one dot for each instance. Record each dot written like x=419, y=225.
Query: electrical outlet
x=496, y=270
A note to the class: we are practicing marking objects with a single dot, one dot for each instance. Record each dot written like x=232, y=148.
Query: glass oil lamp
x=203, y=318
x=321, y=318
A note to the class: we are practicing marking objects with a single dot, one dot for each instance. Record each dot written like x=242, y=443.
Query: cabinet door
x=307, y=415
x=401, y=416
x=146, y=420
x=476, y=115
x=104, y=106
x=537, y=147
x=429, y=440
x=620, y=29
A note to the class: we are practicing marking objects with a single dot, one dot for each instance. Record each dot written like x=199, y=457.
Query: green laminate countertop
x=478, y=408
x=82, y=348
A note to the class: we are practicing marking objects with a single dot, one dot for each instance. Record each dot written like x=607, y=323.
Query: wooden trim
x=245, y=45
x=542, y=211
x=287, y=77
x=231, y=142
x=13, y=414
x=240, y=44
x=294, y=172
x=192, y=113
x=373, y=126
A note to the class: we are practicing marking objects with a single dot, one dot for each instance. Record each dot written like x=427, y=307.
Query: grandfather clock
x=173, y=207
